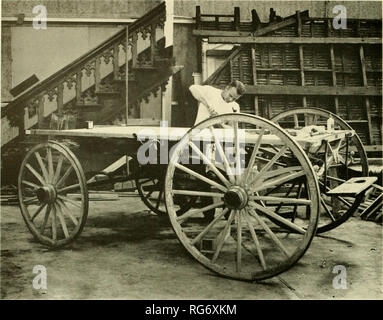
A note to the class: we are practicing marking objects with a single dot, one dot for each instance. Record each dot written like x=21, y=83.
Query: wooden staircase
x=93, y=87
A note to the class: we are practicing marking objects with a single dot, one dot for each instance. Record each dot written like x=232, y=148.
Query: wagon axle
x=46, y=194
x=236, y=198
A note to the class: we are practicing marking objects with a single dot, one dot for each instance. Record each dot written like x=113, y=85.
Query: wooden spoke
x=296, y=122
x=67, y=211
x=31, y=184
x=269, y=164
x=280, y=164
x=54, y=225
x=237, y=151
x=191, y=213
x=38, y=211
x=149, y=194
x=327, y=209
x=200, y=177
x=222, y=239
x=29, y=200
x=253, y=156
x=147, y=180
x=37, y=175
x=271, y=233
x=280, y=171
x=69, y=188
x=277, y=217
x=210, y=164
x=42, y=166
x=159, y=198
x=239, y=241
x=50, y=165
x=208, y=227
x=256, y=242
x=47, y=212
x=280, y=180
x=58, y=169
x=62, y=221
x=222, y=154
x=335, y=179
x=281, y=200
x=76, y=204
x=198, y=193
x=64, y=177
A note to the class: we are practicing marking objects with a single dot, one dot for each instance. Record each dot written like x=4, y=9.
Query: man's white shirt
x=213, y=97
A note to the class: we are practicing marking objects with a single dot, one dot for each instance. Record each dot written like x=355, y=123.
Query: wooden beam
x=260, y=32
x=366, y=99
x=291, y=40
x=312, y=90
x=237, y=18
x=216, y=73
x=256, y=22
x=127, y=46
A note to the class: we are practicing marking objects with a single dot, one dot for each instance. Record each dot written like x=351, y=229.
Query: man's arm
x=200, y=94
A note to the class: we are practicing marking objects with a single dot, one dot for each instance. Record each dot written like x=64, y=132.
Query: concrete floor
x=125, y=252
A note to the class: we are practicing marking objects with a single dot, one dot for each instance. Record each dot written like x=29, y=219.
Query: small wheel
x=49, y=174
x=241, y=241
x=349, y=161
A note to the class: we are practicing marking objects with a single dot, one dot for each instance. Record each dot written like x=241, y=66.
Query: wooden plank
x=237, y=18
x=291, y=40
x=24, y=85
x=127, y=46
x=353, y=186
x=366, y=99
x=60, y=98
x=216, y=73
x=260, y=32
x=256, y=22
x=312, y=90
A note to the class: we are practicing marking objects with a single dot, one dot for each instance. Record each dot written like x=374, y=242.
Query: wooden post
x=255, y=19
x=333, y=73
x=97, y=75
x=237, y=18
x=256, y=107
x=134, y=49
x=301, y=61
x=127, y=45
x=366, y=99
x=115, y=61
x=198, y=17
x=78, y=87
x=153, y=43
x=60, y=98
x=40, y=112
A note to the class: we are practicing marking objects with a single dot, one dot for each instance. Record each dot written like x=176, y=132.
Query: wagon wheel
x=152, y=193
x=336, y=209
x=48, y=174
x=241, y=241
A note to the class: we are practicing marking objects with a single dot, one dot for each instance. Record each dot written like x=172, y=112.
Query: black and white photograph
x=216, y=151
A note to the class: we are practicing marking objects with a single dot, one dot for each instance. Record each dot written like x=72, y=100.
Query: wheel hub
x=46, y=194
x=236, y=198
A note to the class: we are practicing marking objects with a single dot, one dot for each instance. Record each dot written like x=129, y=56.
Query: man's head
x=233, y=91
